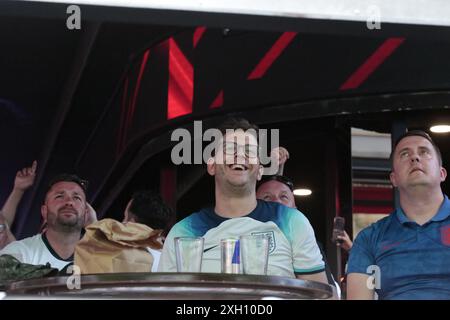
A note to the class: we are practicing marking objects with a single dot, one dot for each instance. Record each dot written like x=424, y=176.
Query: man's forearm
x=319, y=277
x=10, y=207
x=357, y=288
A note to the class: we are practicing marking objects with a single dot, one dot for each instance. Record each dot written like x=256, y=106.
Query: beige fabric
x=110, y=246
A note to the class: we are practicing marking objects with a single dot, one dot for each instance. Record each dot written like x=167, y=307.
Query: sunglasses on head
x=284, y=180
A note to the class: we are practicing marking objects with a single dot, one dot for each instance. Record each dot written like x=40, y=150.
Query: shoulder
x=290, y=220
x=22, y=246
x=274, y=211
x=291, y=216
x=32, y=240
x=374, y=232
x=195, y=224
x=26, y=242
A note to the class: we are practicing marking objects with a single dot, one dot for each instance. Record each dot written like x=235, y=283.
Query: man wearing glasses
x=235, y=166
x=64, y=211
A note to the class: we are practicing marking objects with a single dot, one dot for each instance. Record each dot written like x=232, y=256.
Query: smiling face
x=236, y=165
x=65, y=207
x=276, y=191
x=416, y=163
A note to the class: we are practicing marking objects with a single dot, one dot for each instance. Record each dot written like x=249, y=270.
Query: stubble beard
x=419, y=182
x=67, y=226
x=235, y=190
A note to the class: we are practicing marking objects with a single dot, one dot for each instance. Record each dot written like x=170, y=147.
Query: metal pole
x=339, y=264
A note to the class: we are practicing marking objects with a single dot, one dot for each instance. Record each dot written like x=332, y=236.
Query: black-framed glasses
x=231, y=148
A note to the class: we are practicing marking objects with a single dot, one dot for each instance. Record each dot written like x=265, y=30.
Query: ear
x=443, y=174
x=44, y=212
x=260, y=172
x=211, y=166
x=392, y=178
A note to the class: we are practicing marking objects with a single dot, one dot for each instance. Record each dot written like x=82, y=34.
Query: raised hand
x=345, y=243
x=25, y=177
x=279, y=156
x=91, y=215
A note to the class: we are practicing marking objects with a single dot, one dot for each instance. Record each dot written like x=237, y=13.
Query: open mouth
x=238, y=167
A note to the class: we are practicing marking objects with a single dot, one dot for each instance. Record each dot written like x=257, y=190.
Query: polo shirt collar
x=442, y=214
x=444, y=211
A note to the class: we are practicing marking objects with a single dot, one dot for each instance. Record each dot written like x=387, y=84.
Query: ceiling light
x=302, y=192
x=440, y=128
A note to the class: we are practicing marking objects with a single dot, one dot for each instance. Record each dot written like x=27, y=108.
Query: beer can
x=230, y=256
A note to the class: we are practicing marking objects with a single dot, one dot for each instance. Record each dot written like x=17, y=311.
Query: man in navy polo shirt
x=407, y=254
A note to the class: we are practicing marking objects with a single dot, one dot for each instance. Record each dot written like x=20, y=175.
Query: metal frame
x=174, y=286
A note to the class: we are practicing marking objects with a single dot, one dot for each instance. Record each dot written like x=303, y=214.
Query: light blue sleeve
x=307, y=258
x=167, y=262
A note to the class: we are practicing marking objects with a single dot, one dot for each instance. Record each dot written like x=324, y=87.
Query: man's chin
x=239, y=181
x=69, y=223
x=240, y=186
x=417, y=183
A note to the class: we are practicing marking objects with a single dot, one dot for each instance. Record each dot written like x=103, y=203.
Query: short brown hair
x=237, y=123
x=417, y=133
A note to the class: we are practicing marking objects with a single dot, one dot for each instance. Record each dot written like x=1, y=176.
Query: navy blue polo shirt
x=413, y=260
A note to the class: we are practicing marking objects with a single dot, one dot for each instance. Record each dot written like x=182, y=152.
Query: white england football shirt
x=35, y=250
x=292, y=245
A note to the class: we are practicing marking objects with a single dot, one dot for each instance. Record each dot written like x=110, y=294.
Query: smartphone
x=338, y=229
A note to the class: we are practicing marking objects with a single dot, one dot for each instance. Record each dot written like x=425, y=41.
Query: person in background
x=147, y=207
x=345, y=242
x=278, y=188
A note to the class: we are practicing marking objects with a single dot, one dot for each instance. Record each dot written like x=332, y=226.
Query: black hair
x=418, y=133
x=150, y=209
x=284, y=180
x=237, y=123
x=66, y=177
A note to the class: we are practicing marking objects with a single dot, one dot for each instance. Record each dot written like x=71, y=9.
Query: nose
x=240, y=151
x=68, y=201
x=415, y=158
x=239, y=155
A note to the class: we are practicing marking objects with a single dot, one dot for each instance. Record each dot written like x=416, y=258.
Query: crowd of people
x=403, y=256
